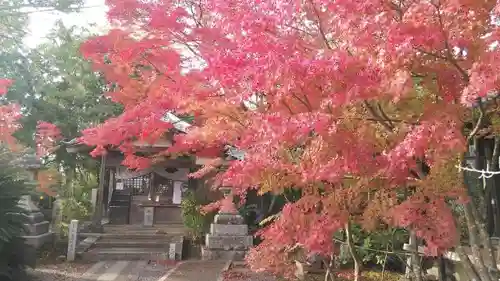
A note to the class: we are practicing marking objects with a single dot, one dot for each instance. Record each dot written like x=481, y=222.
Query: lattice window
x=139, y=185
x=164, y=188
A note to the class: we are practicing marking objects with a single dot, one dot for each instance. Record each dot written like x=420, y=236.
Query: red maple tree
x=9, y=116
x=349, y=101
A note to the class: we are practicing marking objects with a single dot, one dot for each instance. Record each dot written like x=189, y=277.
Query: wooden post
x=97, y=217
x=412, y=246
x=72, y=238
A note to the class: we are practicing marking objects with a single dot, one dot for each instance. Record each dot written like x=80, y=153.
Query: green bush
x=372, y=246
x=193, y=219
x=72, y=209
x=14, y=183
x=75, y=204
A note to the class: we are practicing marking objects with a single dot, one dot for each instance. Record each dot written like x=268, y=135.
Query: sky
x=42, y=22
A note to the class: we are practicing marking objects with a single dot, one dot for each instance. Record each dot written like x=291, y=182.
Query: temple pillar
x=96, y=225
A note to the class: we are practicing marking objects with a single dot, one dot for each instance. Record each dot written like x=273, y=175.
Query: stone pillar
x=149, y=215
x=72, y=239
x=228, y=237
x=56, y=216
x=93, y=198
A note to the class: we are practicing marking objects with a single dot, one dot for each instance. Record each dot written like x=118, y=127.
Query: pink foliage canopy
x=338, y=98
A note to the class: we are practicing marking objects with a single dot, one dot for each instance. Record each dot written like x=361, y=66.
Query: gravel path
x=126, y=271
x=191, y=270
x=232, y=275
x=240, y=272
x=59, y=272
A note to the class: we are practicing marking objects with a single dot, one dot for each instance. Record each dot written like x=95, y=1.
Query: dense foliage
x=52, y=91
x=14, y=183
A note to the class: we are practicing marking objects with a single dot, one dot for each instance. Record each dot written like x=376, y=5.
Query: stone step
x=145, y=229
x=100, y=254
x=134, y=233
x=143, y=243
x=131, y=236
x=171, y=228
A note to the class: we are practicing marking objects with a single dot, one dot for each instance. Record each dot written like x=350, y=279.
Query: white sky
x=42, y=22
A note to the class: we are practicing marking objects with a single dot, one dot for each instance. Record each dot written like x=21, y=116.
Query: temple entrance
x=154, y=196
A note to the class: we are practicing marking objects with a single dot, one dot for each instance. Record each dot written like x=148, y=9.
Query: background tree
x=70, y=96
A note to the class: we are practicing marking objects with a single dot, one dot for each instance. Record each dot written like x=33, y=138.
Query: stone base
x=178, y=247
x=36, y=241
x=34, y=217
x=228, y=242
x=37, y=228
x=229, y=219
x=219, y=254
x=228, y=229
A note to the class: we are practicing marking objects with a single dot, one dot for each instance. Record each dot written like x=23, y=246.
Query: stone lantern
x=228, y=237
x=37, y=231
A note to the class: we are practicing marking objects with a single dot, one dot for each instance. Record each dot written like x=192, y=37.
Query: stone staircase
x=135, y=242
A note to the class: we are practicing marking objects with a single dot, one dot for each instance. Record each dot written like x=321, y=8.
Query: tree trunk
x=484, y=260
x=352, y=251
x=486, y=227
x=467, y=264
x=441, y=268
x=415, y=259
x=329, y=275
x=472, y=227
x=490, y=258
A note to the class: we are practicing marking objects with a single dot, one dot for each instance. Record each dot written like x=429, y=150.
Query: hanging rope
x=485, y=174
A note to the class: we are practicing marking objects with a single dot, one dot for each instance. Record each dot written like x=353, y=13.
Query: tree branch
x=384, y=115
x=480, y=120
x=449, y=55
x=377, y=116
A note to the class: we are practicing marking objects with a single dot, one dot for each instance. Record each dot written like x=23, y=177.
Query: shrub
x=14, y=183
x=372, y=246
x=72, y=209
x=193, y=219
x=74, y=200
